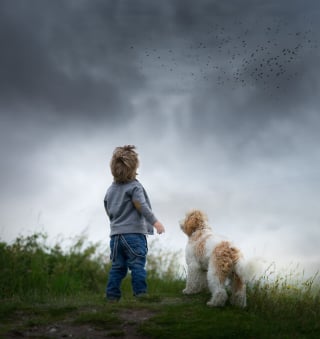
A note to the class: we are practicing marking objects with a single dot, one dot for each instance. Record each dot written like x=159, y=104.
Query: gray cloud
x=88, y=59
x=58, y=59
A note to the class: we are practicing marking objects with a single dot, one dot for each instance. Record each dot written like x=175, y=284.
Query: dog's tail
x=251, y=269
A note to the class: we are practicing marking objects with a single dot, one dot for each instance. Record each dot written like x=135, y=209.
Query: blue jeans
x=128, y=251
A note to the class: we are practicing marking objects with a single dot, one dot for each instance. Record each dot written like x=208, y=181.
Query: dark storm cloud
x=256, y=71
x=84, y=58
x=241, y=65
x=63, y=58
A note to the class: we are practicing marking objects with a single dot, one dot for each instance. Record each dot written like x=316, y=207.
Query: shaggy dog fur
x=212, y=263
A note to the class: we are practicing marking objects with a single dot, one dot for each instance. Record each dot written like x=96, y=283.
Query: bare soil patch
x=130, y=319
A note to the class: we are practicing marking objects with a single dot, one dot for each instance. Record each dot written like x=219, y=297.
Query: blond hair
x=124, y=163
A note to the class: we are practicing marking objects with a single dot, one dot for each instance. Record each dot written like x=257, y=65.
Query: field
x=49, y=292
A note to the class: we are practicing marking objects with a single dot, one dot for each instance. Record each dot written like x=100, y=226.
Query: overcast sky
x=221, y=99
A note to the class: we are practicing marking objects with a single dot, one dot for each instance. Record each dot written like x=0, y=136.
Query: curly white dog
x=212, y=262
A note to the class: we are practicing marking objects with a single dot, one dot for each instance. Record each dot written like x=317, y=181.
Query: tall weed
x=286, y=297
x=29, y=267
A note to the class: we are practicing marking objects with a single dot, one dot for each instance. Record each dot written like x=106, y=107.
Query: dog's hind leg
x=216, y=286
x=238, y=291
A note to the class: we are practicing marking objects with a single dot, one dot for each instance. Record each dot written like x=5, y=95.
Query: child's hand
x=159, y=227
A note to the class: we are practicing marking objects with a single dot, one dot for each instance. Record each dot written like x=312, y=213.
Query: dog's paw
x=215, y=303
x=218, y=299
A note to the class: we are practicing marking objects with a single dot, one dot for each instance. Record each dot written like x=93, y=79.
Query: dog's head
x=194, y=220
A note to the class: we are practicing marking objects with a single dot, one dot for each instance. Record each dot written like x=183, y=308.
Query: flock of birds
x=239, y=57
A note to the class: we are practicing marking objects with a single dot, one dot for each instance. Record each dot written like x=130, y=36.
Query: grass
x=47, y=292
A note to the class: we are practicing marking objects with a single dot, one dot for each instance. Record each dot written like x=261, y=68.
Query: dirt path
x=130, y=320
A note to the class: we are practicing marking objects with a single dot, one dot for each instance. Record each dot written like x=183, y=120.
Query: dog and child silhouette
x=211, y=261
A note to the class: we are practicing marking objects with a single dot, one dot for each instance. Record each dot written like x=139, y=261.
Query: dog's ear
x=194, y=220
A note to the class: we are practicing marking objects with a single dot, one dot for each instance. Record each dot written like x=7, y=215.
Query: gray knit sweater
x=129, y=208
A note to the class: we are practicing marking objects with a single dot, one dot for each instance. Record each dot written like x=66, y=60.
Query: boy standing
x=131, y=218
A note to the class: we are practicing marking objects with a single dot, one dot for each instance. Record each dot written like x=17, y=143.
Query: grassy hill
x=49, y=292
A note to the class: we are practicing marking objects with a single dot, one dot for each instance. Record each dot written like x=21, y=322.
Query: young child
x=131, y=218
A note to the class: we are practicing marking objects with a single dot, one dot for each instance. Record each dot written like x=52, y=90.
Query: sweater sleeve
x=106, y=204
x=141, y=202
